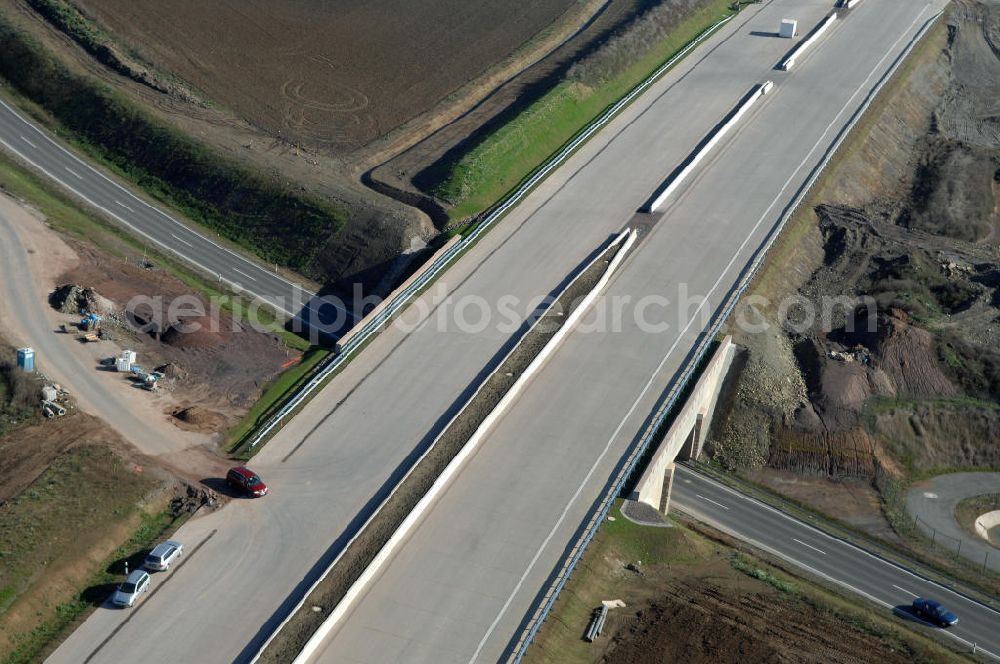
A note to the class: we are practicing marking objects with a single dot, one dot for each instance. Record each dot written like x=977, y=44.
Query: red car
x=246, y=481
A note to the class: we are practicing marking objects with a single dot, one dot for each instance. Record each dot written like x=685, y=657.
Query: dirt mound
x=948, y=434
x=171, y=370
x=197, y=332
x=706, y=622
x=72, y=299
x=839, y=454
x=196, y=418
x=192, y=500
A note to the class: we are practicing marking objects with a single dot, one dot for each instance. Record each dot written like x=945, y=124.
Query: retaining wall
x=987, y=522
x=686, y=434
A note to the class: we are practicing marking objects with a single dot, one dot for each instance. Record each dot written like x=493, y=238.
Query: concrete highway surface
x=882, y=582
x=35, y=146
x=461, y=586
x=246, y=564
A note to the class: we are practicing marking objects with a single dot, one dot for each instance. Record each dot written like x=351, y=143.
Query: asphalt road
x=461, y=586
x=933, y=504
x=37, y=147
x=882, y=582
x=250, y=561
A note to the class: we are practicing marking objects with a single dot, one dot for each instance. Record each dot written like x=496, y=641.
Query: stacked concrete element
x=805, y=44
x=788, y=28
x=709, y=142
x=686, y=435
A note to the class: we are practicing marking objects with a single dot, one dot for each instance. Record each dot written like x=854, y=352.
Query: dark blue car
x=932, y=611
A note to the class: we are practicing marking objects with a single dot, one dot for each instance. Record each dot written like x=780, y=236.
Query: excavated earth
x=903, y=375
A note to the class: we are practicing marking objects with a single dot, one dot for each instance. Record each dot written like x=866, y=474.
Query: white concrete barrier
x=626, y=239
x=987, y=522
x=806, y=43
x=693, y=160
x=689, y=428
x=850, y=4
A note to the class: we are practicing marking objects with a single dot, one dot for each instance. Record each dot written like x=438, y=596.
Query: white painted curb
x=757, y=92
x=414, y=517
x=803, y=46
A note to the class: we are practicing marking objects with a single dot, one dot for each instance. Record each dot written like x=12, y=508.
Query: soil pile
x=195, y=332
x=903, y=369
x=72, y=299
x=703, y=622
x=196, y=418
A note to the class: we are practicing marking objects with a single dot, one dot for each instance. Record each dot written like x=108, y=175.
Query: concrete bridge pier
x=685, y=438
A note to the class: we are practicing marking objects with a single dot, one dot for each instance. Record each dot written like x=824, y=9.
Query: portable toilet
x=26, y=359
x=788, y=28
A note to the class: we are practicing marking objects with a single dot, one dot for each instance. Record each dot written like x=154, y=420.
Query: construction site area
x=111, y=416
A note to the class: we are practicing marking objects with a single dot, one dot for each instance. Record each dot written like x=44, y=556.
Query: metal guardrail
x=547, y=601
x=401, y=300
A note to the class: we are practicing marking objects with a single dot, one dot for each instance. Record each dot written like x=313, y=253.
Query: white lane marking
x=29, y=142
x=809, y=546
x=905, y=591
x=118, y=202
x=180, y=239
x=235, y=269
x=844, y=584
x=712, y=501
x=73, y=173
x=695, y=316
x=138, y=200
x=125, y=222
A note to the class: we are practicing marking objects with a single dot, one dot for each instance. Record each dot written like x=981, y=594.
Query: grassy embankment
x=679, y=555
x=64, y=215
x=265, y=217
x=508, y=156
x=49, y=535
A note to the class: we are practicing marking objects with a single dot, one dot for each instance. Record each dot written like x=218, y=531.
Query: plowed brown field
x=340, y=72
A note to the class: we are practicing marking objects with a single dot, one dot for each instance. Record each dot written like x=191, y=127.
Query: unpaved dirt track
x=333, y=458
x=27, y=320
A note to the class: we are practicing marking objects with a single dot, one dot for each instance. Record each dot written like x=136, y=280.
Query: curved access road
x=882, y=582
x=250, y=562
x=933, y=504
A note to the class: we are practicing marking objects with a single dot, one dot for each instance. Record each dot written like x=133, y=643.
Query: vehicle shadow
x=905, y=611
x=220, y=486
x=99, y=595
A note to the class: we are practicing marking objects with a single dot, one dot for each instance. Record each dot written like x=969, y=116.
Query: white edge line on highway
x=809, y=546
x=236, y=269
x=180, y=239
x=843, y=584
x=843, y=542
x=134, y=228
x=911, y=594
x=130, y=195
x=29, y=142
x=712, y=501
x=694, y=316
